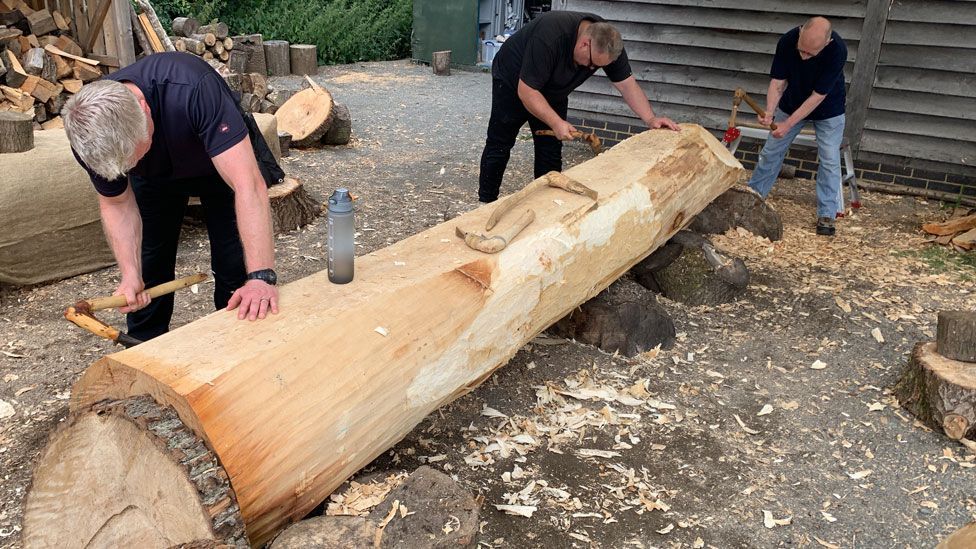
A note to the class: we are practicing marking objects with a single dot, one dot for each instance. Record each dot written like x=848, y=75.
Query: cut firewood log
x=3, y=67
x=739, y=206
x=185, y=26
x=53, y=124
x=207, y=38
x=252, y=45
x=292, y=207
x=701, y=275
x=62, y=69
x=16, y=75
x=440, y=62
x=303, y=59
x=250, y=102
x=44, y=90
x=307, y=116
x=953, y=226
x=193, y=45
x=16, y=132
x=956, y=335
x=966, y=240
x=60, y=22
x=228, y=43
x=11, y=18
x=284, y=142
x=85, y=72
x=257, y=84
x=625, y=318
x=219, y=30
x=224, y=56
x=237, y=61
x=328, y=531
x=341, y=128
x=278, y=57
x=22, y=102
x=431, y=318
x=72, y=85
x=280, y=96
x=268, y=107
x=56, y=103
x=939, y=391
x=233, y=81
x=68, y=45
x=207, y=56
x=218, y=48
x=41, y=22
x=33, y=61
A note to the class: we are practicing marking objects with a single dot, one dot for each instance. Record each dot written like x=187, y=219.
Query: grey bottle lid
x=340, y=201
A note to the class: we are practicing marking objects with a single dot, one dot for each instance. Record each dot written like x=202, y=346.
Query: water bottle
x=341, y=242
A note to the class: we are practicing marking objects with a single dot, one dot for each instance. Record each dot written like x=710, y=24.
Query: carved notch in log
x=940, y=392
x=450, y=316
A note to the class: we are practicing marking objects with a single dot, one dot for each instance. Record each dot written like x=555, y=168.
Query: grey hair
x=606, y=38
x=105, y=124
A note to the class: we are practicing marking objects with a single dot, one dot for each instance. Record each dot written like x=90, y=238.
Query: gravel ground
x=731, y=424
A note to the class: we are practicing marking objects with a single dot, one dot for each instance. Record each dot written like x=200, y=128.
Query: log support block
x=940, y=392
x=956, y=335
x=16, y=132
x=278, y=57
x=304, y=59
x=441, y=62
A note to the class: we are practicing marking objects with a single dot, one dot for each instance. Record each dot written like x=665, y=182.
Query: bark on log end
x=701, y=275
x=284, y=143
x=739, y=206
x=341, y=128
x=292, y=207
x=940, y=392
x=129, y=473
x=624, y=318
x=304, y=59
x=956, y=335
x=327, y=531
x=440, y=61
x=16, y=132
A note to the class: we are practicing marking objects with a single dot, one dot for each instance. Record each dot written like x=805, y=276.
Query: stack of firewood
x=958, y=232
x=40, y=64
x=206, y=41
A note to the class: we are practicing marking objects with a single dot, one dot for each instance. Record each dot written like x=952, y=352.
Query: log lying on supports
x=295, y=404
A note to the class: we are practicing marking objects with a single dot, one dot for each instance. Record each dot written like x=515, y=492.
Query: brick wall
x=893, y=177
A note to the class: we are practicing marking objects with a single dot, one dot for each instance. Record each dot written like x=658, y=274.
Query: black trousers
x=162, y=204
x=508, y=115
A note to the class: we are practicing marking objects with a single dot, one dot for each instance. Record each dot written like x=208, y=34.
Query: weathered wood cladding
x=912, y=99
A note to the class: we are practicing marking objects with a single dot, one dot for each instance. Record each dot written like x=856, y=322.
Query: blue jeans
x=830, y=134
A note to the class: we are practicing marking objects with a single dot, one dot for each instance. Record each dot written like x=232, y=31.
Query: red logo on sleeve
x=224, y=128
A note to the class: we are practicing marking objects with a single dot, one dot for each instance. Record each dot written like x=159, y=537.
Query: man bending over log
x=150, y=136
x=532, y=76
x=807, y=83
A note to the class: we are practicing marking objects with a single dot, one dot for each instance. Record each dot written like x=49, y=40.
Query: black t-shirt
x=823, y=74
x=194, y=114
x=541, y=55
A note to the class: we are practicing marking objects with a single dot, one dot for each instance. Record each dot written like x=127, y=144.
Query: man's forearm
x=123, y=228
x=635, y=98
x=800, y=114
x=773, y=94
x=537, y=105
x=254, y=225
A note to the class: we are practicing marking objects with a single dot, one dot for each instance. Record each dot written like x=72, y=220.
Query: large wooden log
x=956, y=335
x=278, y=58
x=295, y=404
x=304, y=59
x=941, y=392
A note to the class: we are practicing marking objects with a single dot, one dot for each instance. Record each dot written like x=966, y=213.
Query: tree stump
x=307, y=116
x=185, y=26
x=701, y=275
x=16, y=132
x=441, y=62
x=278, y=57
x=739, y=206
x=624, y=318
x=940, y=391
x=304, y=59
x=158, y=483
x=341, y=128
x=252, y=45
x=437, y=500
x=292, y=207
x=956, y=335
x=326, y=533
x=284, y=142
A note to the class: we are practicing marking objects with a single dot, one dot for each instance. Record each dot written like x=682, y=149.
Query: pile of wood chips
x=958, y=232
x=41, y=65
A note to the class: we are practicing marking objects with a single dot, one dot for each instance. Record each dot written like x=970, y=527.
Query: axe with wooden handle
x=82, y=313
x=591, y=139
x=741, y=94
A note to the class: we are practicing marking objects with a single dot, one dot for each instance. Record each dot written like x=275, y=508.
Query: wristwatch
x=267, y=275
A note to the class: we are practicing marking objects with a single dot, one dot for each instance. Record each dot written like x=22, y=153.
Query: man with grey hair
x=807, y=84
x=150, y=136
x=532, y=76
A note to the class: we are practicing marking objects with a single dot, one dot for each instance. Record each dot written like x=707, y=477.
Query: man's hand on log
x=663, y=122
x=254, y=299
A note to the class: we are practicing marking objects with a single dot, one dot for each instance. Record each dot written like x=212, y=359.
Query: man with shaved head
x=807, y=84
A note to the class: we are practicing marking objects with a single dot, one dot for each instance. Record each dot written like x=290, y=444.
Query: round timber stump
x=129, y=473
x=277, y=57
x=16, y=132
x=304, y=59
x=341, y=128
x=955, y=336
x=940, y=392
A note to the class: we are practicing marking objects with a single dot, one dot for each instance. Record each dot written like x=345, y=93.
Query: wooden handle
x=576, y=134
x=109, y=302
x=755, y=106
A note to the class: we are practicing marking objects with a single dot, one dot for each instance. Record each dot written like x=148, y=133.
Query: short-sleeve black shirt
x=823, y=74
x=194, y=114
x=541, y=55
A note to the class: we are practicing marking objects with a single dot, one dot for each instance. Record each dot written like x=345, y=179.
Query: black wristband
x=267, y=275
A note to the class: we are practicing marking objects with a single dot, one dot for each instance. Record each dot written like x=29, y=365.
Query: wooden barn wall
x=911, y=91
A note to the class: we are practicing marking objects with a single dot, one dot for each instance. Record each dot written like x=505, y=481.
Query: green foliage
x=941, y=259
x=344, y=30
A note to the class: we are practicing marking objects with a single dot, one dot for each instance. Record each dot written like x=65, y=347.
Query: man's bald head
x=814, y=36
